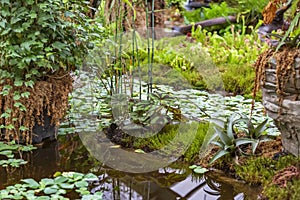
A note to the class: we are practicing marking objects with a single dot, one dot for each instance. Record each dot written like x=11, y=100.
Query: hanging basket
x=42, y=109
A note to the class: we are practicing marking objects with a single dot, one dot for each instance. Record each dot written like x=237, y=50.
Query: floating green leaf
x=31, y=183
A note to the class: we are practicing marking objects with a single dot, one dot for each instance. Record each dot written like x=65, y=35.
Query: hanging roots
x=47, y=97
x=286, y=175
x=285, y=69
x=269, y=12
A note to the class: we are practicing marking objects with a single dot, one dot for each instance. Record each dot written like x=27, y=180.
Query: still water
x=173, y=182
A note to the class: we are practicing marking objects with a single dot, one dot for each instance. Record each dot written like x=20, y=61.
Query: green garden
x=161, y=99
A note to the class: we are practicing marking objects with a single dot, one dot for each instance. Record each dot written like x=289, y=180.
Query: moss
x=260, y=171
x=193, y=151
x=175, y=134
x=239, y=79
x=256, y=171
x=291, y=192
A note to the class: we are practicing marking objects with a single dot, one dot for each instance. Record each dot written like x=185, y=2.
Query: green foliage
x=9, y=149
x=253, y=7
x=291, y=192
x=229, y=55
x=257, y=170
x=291, y=36
x=190, y=60
x=234, y=53
x=175, y=2
x=233, y=47
x=256, y=134
x=238, y=79
x=53, y=188
x=260, y=170
x=218, y=10
x=226, y=137
x=37, y=38
x=198, y=169
x=215, y=10
x=168, y=133
x=192, y=152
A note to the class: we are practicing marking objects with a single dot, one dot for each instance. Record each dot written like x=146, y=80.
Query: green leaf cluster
x=198, y=169
x=36, y=38
x=227, y=139
x=53, y=188
x=8, y=150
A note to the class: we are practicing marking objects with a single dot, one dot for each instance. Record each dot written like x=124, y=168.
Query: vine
x=41, y=43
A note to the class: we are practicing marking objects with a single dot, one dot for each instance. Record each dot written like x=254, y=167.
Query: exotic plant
x=226, y=136
x=41, y=42
x=257, y=134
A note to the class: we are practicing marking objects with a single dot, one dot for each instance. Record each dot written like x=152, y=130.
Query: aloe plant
x=256, y=134
x=225, y=136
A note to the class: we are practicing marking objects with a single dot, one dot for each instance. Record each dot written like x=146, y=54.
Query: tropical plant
x=257, y=134
x=227, y=139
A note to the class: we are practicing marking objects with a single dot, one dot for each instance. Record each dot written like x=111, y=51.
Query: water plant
x=157, y=109
x=9, y=150
x=53, y=188
x=198, y=169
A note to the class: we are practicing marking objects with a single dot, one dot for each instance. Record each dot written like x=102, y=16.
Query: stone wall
x=286, y=113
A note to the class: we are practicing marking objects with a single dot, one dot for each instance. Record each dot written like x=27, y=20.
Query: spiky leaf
x=218, y=155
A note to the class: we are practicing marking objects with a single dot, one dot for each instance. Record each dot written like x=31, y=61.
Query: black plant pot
x=45, y=131
x=286, y=114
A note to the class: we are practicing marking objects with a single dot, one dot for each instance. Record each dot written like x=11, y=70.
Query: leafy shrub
x=234, y=53
x=37, y=38
x=41, y=42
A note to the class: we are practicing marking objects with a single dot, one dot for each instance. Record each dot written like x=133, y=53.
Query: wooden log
x=206, y=23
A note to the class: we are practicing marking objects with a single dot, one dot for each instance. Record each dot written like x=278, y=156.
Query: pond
x=173, y=182
x=91, y=111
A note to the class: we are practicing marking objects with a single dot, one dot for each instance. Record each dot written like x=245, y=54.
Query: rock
x=286, y=113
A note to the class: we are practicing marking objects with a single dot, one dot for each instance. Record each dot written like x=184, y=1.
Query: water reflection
x=176, y=182
x=190, y=188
